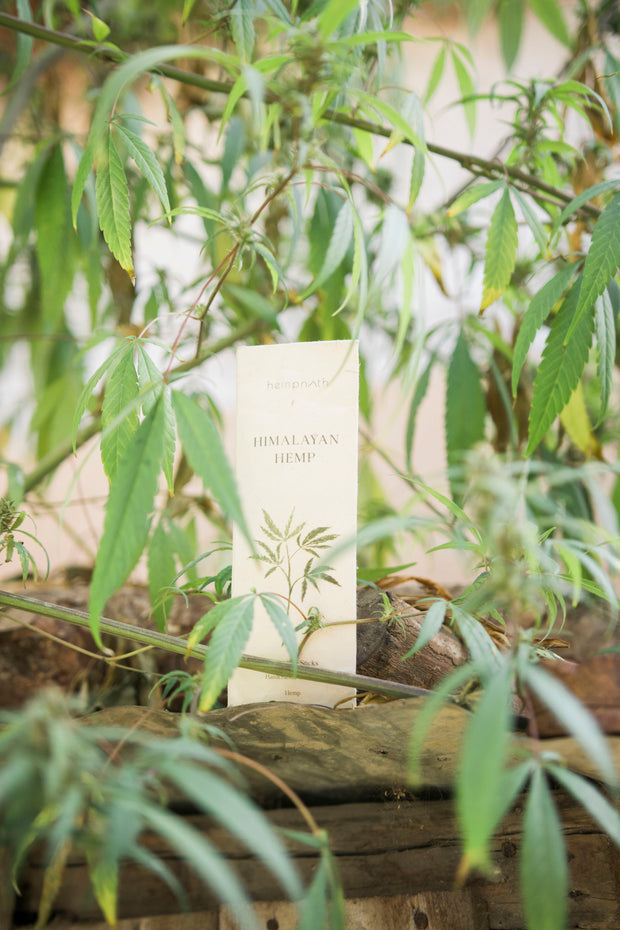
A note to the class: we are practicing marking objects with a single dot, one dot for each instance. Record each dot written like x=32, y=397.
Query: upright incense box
x=296, y=468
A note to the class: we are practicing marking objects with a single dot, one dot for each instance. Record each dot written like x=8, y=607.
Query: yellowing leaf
x=364, y=147
x=576, y=422
x=103, y=875
x=427, y=248
x=52, y=879
x=501, y=251
x=101, y=30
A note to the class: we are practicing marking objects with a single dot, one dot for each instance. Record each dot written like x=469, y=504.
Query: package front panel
x=296, y=468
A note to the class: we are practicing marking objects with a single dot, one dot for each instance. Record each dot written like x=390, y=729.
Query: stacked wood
x=397, y=851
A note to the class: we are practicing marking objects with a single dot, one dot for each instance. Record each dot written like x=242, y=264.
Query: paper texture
x=296, y=468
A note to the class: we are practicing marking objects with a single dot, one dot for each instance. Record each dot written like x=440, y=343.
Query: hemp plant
x=255, y=138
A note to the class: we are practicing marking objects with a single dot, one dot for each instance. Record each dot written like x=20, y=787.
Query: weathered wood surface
x=381, y=645
x=393, y=845
x=407, y=851
x=455, y=910
x=341, y=755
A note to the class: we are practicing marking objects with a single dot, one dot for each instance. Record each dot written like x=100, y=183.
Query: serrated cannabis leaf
x=467, y=89
x=560, y=368
x=581, y=199
x=205, y=453
x=113, y=204
x=120, y=394
x=590, y=797
x=128, y=513
x=501, y=250
x=476, y=13
x=169, y=439
x=209, y=864
x=146, y=162
x=119, y=79
x=92, y=382
x=239, y=817
x=540, y=307
x=150, y=381
x=419, y=394
x=602, y=262
x=479, y=644
x=473, y=195
x=333, y=14
x=283, y=625
x=24, y=45
x=531, y=218
x=575, y=717
x=230, y=634
x=187, y=8
x=241, y=19
x=550, y=14
x=510, y=13
x=436, y=74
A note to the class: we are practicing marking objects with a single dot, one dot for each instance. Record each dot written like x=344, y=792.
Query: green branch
x=179, y=646
x=476, y=165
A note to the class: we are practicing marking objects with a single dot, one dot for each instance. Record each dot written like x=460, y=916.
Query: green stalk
x=179, y=646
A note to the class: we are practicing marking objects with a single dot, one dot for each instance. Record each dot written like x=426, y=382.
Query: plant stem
x=50, y=462
x=179, y=646
x=476, y=165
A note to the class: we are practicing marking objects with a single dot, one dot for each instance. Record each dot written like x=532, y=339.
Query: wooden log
x=406, y=851
x=343, y=755
x=382, y=644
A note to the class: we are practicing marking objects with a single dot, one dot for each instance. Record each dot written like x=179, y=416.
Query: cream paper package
x=296, y=470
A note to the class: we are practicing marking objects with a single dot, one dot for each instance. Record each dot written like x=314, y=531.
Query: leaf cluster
x=63, y=789
x=268, y=161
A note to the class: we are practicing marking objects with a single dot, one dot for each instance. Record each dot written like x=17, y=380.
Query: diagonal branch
x=179, y=646
x=472, y=163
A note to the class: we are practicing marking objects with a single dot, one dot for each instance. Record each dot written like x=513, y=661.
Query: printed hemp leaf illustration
x=283, y=550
